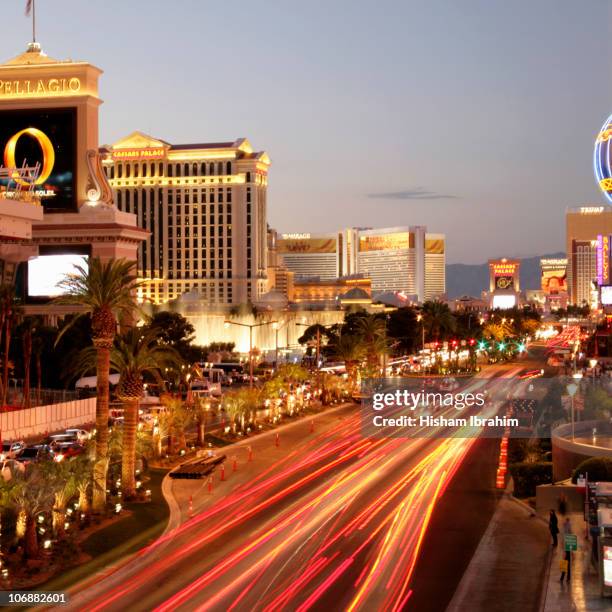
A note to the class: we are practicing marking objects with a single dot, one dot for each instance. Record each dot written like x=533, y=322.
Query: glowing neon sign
x=602, y=159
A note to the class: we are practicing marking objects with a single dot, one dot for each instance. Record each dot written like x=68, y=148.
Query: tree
x=372, y=332
x=26, y=330
x=173, y=329
x=32, y=495
x=438, y=320
x=136, y=354
x=104, y=291
x=404, y=330
x=349, y=349
x=62, y=476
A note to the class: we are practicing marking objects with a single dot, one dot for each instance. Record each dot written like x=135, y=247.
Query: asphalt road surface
x=336, y=522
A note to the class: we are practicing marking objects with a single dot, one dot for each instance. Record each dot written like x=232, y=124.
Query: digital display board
x=554, y=281
x=46, y=137
x=606, y=295
x=46, y=271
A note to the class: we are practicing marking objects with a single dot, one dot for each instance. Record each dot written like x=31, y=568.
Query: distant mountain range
x=466, y=279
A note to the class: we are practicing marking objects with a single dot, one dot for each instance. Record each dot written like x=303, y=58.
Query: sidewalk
x=582, y=593
x=187, y=497
x=508, y=568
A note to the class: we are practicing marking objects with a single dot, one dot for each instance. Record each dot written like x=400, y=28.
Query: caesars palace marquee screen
x=49, y=138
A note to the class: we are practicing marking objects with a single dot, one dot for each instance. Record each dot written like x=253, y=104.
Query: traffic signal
x=502, y=346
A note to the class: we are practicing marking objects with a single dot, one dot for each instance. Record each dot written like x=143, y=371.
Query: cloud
x=412, y=194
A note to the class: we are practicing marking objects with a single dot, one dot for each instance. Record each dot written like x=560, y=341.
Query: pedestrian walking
x=553, y=527
x=565, y=566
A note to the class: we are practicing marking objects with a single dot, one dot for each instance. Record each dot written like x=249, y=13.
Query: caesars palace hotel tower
x=205, y=208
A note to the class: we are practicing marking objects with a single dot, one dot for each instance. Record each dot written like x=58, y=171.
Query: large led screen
x=46, y=137
x=47, y=271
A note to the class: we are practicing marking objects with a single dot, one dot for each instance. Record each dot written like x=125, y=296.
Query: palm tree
x=105, y=291
x=134, y=355
x=27, y=329
x=438, y=319
x=349, y=349
x=373, y=335
x=32, y=495
x=62, y=475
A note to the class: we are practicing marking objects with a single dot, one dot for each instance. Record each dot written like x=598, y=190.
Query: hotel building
x=308, y=255
x=397, y=259
x=589, y=229
x=205, y=208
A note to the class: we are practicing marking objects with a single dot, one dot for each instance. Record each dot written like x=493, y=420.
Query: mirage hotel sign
x=40, y=87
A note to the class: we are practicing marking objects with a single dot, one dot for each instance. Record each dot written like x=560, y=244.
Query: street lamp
x=227, y=323
x=276, y=326
x=421, y=320
x=593, y=363
x=572, y=388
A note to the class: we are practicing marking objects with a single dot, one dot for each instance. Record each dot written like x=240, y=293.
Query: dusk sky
x=470, y=117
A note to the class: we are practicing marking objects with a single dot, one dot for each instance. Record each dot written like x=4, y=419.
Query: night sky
x=475, y=118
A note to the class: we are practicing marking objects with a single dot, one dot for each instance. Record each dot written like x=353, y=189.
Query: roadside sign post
x=571, y=542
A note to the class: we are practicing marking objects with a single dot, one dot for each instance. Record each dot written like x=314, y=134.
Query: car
x=63, y=437
x=10, y=450
x=9, y=467
x=33, y=454
x=67, y=450
x=80, y=434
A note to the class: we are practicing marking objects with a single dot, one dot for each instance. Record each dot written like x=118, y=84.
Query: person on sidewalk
x=553, y=527
x=565, y=564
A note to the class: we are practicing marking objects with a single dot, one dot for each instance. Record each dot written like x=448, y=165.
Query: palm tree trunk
x=27, y=358
x=59, y=519
x=31, y=539
x=5, y=365
x=101, y=462
x=128, y=463
x=201, y=428
x=38, y=378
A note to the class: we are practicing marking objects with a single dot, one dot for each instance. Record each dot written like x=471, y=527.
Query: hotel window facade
x=205, y=208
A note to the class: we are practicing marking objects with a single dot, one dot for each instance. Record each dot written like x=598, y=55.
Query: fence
x=44, y=397
x=20, y=424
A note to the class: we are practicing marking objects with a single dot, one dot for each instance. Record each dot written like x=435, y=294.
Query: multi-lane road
x=338, y=522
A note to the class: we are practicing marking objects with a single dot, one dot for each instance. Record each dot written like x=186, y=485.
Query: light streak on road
x=338, y=522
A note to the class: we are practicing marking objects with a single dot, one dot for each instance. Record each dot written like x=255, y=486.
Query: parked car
x=10, y=450
x=56, y=439
x=9, y=467
x=67, y=450
x=80, y=434
x=33, y=454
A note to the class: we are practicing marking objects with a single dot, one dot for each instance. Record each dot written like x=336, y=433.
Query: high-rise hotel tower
x=205, y=207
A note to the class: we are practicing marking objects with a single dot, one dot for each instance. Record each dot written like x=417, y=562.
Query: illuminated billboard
x=44, y=137
x=504, y=301
x=387, y=242
x=504, y=269
x=554, y=276
x=602, y=257
x=606, y=295
x=306, y=245
x=602, y=159
x=47, y=271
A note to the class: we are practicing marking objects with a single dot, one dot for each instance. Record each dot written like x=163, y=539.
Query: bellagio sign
x=40, y=87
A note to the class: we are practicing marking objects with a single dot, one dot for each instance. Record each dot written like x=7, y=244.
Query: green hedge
x=527, y=476
x=599, y=469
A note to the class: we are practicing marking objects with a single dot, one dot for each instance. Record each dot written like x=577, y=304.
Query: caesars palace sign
x=40, y=87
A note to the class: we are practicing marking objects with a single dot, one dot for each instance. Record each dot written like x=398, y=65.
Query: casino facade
x=204, y=206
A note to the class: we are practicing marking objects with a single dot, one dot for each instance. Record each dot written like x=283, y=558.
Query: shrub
x=599, y=469
x=527, y=476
